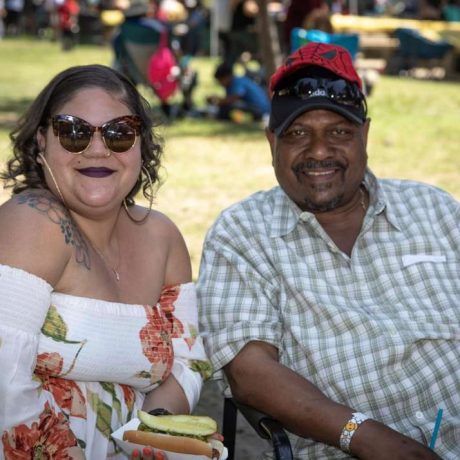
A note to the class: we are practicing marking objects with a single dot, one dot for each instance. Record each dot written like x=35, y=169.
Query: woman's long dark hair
x=24, y=172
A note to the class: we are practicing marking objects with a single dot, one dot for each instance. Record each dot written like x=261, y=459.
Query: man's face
x=320, y=159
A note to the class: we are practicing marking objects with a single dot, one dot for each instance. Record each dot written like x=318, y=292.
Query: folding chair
x=133, y=46
x=416, y=49
x=265, y=426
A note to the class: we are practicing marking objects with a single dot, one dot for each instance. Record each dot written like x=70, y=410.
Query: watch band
x=159, y=411
x=349, y=430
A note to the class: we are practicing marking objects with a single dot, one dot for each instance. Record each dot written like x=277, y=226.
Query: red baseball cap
x=313, y=59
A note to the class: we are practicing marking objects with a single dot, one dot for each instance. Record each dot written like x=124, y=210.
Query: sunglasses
x=75, y=134
x=341, y=91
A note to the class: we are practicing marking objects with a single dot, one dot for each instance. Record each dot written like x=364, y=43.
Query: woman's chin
x=101, y=201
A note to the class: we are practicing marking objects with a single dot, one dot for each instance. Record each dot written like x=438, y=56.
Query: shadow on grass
x=11, y=110
x=203, y=127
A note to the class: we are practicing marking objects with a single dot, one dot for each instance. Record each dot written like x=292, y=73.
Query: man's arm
x=304, y=410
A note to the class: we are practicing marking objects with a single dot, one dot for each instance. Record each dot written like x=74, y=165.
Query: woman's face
x=96, y=180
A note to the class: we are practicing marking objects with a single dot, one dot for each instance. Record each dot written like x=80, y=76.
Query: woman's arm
x=31, y=261
x=30, y=418
x=181, y=390
x=170, y=396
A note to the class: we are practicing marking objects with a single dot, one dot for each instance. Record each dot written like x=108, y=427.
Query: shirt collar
x=379, y=202
x=286, y=214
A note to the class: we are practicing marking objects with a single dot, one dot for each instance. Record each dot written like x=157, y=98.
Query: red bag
x=160, y=70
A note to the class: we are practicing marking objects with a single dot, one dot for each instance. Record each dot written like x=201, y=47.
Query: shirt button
x=419, y=415
x=304, y=216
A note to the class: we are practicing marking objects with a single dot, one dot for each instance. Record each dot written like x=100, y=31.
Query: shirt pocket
x=411, y=259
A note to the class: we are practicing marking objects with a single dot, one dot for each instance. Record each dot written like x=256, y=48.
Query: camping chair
x=133, y=46
x=265, y=426
x=417, y=50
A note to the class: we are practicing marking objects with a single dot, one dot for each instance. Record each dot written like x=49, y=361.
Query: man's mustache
x=314, y=164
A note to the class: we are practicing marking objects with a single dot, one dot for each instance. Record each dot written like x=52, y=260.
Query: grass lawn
x=209, y=165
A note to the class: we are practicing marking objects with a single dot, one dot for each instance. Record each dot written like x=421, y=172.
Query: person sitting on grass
x=243, y=96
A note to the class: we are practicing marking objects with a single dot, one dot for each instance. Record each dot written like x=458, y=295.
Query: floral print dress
x=75, y=369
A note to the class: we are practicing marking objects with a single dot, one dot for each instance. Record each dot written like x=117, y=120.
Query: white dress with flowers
x=74, y=369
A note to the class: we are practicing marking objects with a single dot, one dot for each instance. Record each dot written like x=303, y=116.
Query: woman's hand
x=147, y=454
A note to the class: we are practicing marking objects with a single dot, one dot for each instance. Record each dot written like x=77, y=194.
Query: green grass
x=209, y=165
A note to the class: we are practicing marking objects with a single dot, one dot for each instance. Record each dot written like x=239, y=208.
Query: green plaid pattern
x=378, y=331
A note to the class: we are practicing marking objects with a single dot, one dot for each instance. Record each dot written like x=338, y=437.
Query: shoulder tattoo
x=48, y=205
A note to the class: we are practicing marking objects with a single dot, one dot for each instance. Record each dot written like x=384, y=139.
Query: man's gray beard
x=323, y=207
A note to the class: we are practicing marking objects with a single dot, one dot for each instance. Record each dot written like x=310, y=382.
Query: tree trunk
x=269, y=42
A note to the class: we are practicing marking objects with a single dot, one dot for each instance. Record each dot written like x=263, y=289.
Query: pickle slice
x=193, y=425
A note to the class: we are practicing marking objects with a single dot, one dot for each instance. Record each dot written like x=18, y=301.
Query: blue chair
x=451, y=13
x=414, y=46
x=416, y=50
x=349, y=41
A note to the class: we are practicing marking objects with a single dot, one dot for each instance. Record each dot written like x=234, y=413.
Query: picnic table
x=377, y=38
x=383, y=24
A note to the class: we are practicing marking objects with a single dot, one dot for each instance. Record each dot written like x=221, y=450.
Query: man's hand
x=375, y=441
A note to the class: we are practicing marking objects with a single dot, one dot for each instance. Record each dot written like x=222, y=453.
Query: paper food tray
x=128, y=447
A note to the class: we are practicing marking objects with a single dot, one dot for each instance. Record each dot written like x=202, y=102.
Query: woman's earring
x=40, y=154
x=141, y=221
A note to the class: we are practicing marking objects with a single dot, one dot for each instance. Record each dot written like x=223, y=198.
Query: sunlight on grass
x=209, y=165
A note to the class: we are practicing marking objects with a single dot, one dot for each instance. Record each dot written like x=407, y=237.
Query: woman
x=98, y=312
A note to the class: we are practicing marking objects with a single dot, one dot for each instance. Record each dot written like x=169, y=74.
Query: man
x=242, y=95
x=337, y=294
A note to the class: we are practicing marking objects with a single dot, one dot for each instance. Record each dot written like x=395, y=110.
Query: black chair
x=265, y=426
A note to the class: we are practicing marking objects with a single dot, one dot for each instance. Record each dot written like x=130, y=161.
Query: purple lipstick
x=96, y=172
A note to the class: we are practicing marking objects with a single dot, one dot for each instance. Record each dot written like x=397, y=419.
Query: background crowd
x=234, y=19
x=227, y=28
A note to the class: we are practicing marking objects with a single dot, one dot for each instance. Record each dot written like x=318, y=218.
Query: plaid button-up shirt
x=378, y=331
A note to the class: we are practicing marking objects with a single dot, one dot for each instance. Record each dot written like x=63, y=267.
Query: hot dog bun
x=178, y=444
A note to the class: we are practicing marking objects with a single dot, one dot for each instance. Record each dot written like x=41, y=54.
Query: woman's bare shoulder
x=163, y=227
x=161, y=231
x=178, y=266
x=156, y=223
x=34, y=228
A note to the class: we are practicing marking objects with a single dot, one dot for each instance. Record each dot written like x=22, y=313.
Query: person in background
x=430, y=9
x=305, y=13
x=68, y=12
x=338, y=290
x=221, y=23
x=242, y=36
x=98, y=310
x=192, y=42
x=242, y=95
x=13, y=16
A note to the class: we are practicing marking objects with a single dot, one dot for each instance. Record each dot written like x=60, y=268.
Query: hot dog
x=186, y=434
